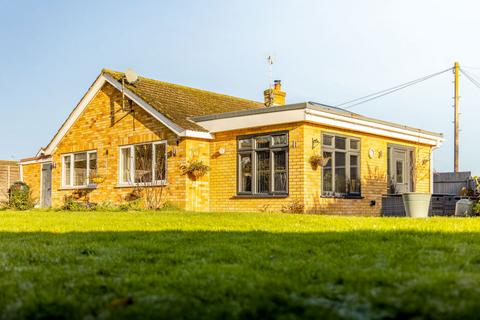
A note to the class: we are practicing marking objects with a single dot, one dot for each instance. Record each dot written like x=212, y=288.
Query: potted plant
x=417, y=204
x=318, y=160
x=195, y=169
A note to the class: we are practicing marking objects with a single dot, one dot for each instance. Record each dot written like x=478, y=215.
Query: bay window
x=79, y=169
x=143, y=163
x=263, y=164
x=341, y=174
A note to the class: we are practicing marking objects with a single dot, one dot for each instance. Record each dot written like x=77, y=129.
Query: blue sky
x=326, y=51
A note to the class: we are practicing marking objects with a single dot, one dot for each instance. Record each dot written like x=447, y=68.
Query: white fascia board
x=88, y=97
x=253, y=120
x=152, y=111
x=196, y=134
x=49, y=159
x=371, y=127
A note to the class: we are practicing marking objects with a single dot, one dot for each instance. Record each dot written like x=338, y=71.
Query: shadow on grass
x=169, y=274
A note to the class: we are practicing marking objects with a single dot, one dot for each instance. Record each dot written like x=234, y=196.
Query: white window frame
x=348, y=152
x=88, y=183
x=132, y=165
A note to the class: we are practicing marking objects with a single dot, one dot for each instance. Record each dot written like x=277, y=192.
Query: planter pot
x=416, y=204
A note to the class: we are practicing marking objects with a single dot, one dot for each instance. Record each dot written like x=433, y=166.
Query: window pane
x=280, y=170
x=263, y=171
x=280, y=140
x=339, y=159
x=160, y=161
x=340, y=173
x=327, y=140
x=327, y=173
x=354, y=144
x=80, y=169
x=245, y=143
x=126, y=169
x=67, y=162
x=340, y=143
x=245, y=173
x=92, y=165
x=143, y=163
x=354, y=183
x=399, y=171
x=263, y=142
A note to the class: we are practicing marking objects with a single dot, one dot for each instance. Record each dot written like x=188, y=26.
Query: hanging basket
x=318, y=161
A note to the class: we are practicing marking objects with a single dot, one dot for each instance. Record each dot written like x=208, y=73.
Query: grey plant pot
x=416, y=204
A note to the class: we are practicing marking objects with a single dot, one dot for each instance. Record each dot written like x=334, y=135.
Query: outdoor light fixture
x=221, y=151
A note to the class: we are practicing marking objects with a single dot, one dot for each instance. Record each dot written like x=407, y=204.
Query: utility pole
x=456, y=98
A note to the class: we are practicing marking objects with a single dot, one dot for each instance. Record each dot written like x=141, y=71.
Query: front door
x=400, y=178
x=46, y=196
x=399, y=170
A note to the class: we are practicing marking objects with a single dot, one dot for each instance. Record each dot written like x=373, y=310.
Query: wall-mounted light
x=221, y=151
x=174, y=151
x=294, y=144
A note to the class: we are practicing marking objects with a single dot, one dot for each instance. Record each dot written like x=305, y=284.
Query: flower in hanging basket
x=318, y=160
x=195, y=169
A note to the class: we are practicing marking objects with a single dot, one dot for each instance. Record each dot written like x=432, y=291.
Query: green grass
x=229, y=265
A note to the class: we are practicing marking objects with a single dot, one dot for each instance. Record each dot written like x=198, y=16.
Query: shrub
x=20, y=197
x=295, y=206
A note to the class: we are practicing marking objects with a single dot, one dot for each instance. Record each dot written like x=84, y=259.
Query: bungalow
x=261, y=156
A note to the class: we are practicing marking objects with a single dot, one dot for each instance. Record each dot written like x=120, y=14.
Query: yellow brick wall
x=97, y=130
x=223, y=176
x=373, y=172
x=198, y=190
x=31, y=176
x=304, y=181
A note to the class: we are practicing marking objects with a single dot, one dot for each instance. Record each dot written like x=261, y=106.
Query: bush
x=295, y=206
x=20, y=197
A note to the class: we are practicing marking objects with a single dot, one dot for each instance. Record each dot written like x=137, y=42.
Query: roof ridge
x=184, y=86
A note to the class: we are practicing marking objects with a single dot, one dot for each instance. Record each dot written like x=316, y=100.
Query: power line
x=470, y=77
x=382, y=93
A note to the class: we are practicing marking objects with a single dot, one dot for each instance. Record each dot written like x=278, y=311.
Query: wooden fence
x=9, y=173
x=452, y=182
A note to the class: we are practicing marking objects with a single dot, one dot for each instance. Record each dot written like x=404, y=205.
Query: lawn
x=230, y=265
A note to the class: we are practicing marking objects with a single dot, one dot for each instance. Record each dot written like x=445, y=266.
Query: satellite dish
x=131, y=76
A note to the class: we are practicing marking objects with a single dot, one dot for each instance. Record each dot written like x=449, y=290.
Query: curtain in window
x=67, y=163
x=126, y=170
x=245, y=173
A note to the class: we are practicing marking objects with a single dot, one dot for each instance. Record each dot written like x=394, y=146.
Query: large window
x=341, y=174
x=143, y=163
x=79, y=169
x=263, y=164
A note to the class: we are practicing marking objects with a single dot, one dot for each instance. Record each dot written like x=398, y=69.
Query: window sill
x=347, y=197
x=78, y=188
x=141, y=185
x=259, y=196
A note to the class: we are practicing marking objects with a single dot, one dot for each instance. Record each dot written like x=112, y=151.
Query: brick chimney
x=274, y=96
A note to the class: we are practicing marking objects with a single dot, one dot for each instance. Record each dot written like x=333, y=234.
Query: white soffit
x=319, y=117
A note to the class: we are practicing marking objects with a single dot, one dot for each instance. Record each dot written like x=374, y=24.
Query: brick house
x=259, y=154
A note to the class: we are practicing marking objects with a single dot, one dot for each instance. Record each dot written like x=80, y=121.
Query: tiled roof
x=178, y=103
